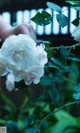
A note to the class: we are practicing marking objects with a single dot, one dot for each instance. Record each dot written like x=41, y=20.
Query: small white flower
x=3, y=66
x=76, y=33
x=10, y=82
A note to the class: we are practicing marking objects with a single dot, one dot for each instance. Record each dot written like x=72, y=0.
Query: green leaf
x=24, y=102
x=76, y=96
x=9, y=109
x=8, y=101
x=71, y=130
x=69, y=69
x=12, y=127
x=65, y=121
x=64, y=52
x=63, y=114
x=77, y=7
x=42, y=18
x=73, y=2
x=46, y=81
x=54, y=94
x=50, y=53
x=2, y=121
x=54, y=7
x=32, y=130
x=77, y=88
x=74, y=59
x=21, y=124
x=56, y=61
x=62, y=20
x=76, y=21
x=51, y=65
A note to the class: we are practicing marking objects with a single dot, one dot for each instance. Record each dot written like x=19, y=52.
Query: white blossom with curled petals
x=76, y=33
x=33, y=75
x=25, y=60
x=19, y=51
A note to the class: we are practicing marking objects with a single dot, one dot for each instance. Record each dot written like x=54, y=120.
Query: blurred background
x=21, y=11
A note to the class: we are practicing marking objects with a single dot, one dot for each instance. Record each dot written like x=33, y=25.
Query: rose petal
x=10, y=82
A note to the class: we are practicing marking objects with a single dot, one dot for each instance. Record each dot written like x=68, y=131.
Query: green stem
x=48, y=116
x=67, y=47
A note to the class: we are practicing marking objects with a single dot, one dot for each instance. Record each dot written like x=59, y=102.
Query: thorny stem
x=67, y=47
x=48, y=116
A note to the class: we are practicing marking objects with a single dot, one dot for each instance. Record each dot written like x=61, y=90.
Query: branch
x=48, y=116
x=67, y=47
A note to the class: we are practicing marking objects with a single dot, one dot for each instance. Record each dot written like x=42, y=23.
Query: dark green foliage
x=32, y=130
x=12, y=127
x=76, y=90
x=73, y=2
x=76, y=21
x=62, y=20
x=42, y=18
x=64, y=52
x=55, y=96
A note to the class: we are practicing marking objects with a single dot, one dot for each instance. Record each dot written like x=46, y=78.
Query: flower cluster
x=22, y=60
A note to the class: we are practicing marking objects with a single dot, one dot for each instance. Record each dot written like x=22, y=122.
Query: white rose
x=3, y=66
x=19, y=74
x=33, y=74
x=76, y=33
x=25, y=60
x=10, y=82
x=19, y=51
x=42, y=55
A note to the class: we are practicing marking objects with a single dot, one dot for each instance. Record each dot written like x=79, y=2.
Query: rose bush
x=24, y=59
